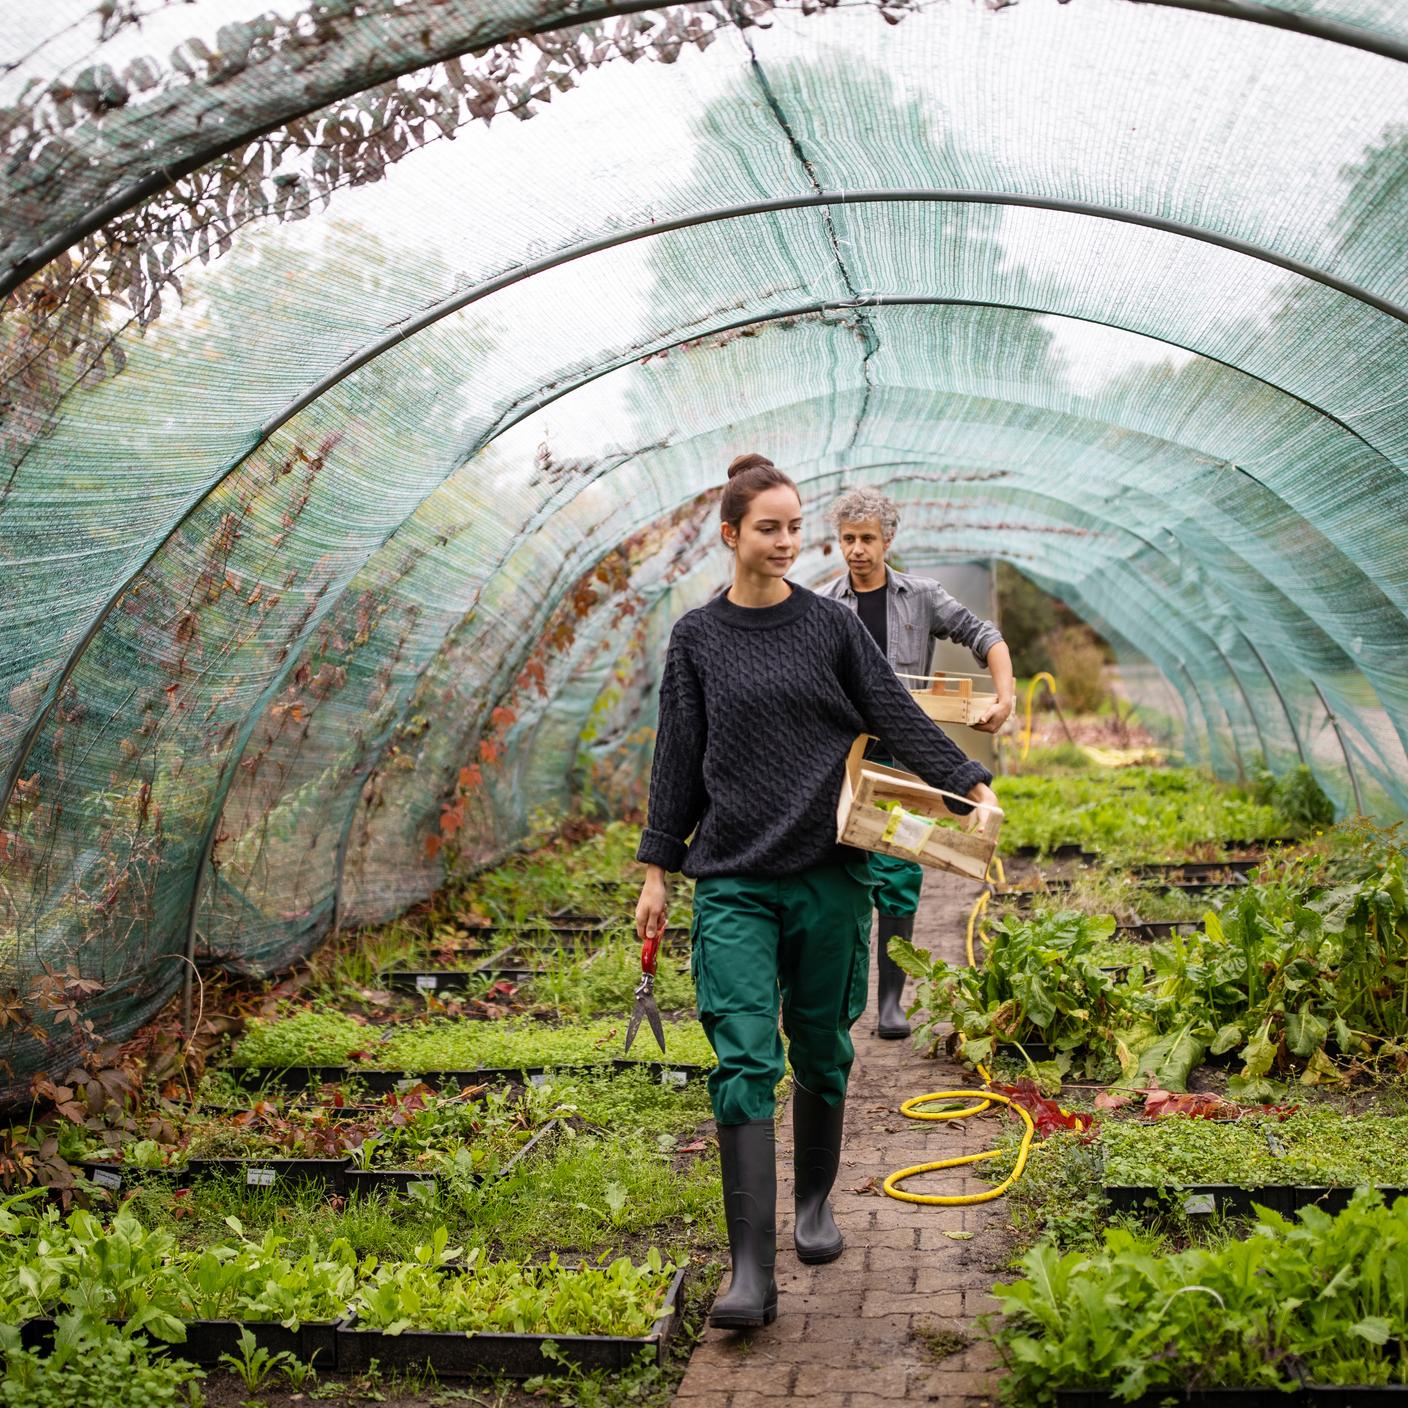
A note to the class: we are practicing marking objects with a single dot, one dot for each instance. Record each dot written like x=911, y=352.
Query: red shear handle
x=649, y=951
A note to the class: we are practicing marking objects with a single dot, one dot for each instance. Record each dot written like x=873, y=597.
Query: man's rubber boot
x=890, y=976
x=748, y=1154
x=816, y=1145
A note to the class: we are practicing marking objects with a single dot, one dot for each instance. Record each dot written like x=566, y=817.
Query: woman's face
x=770, y=536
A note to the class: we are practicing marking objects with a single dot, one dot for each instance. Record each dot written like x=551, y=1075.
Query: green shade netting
x=377, y=538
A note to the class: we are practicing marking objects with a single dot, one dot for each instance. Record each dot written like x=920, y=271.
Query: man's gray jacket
x=918, y=612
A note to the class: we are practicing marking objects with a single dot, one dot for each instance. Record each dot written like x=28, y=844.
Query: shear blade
x=633, y=1026
x=652, y=1015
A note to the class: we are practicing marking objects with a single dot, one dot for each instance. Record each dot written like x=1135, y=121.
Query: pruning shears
x=645, y=1007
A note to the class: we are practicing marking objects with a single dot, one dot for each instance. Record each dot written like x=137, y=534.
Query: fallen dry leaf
x=870, y=1186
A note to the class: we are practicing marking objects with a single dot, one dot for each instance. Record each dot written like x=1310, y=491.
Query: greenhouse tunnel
x=361, y=438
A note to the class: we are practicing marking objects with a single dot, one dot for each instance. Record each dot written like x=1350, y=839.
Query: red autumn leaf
x=471, y=777
x=503, y=718
x=432, y=847
x=1047, y=1115
x=1109, y=1100
x=488, y=750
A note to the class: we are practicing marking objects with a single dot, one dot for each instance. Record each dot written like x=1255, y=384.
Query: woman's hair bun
x=742, y=463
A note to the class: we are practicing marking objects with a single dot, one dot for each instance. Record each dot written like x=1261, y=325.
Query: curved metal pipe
x=164, y=177
x=485, y=289
x=1285, y=708
x=1246, y=699
x=1333, y=31
x=1344, y=744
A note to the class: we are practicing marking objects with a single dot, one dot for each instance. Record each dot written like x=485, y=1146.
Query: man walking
x=905, y=615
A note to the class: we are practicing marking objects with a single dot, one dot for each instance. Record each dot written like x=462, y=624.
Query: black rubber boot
x=816, y=1144
x=748, y=1153
x=892, y=1023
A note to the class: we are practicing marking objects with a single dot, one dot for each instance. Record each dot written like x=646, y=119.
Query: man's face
x=863, y=545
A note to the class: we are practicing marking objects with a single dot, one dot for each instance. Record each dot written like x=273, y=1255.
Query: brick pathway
x=845, y=1335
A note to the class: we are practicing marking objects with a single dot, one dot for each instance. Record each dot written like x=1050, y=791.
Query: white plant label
x=259, y=1177
x=1200, y=1204
x=675, y=1078
x=427, y=982
x=106, y=1178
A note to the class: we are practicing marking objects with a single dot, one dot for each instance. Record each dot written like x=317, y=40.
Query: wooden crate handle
x=959, y=687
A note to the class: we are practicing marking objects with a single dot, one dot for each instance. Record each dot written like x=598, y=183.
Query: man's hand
x=995, y=715
x=653, y=904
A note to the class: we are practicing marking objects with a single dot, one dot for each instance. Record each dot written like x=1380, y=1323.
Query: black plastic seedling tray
x=1147, y=930
x=1202, y=1199
x=1202, y=870
x=370, y=1181
x=1316, y=1395
x=254, y=1172
x=207, y=1340
x=465, y=1355
x=382, y=1082
x=1067, y=850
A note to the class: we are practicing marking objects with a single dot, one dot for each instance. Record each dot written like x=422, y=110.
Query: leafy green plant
x=254, y=1364
x=1321, y=1147
x=619, y=1299
x=92, y=1363
x=309, y=1036
x=1134, y=814
x=1041, y=981
x=1324, y=1296
x=449, y=1045
x=606, y=984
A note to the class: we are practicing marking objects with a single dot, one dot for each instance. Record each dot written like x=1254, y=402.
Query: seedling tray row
x=1204, y=1199
x=336, y=1176
x=463, y=1355
x=382, y=1082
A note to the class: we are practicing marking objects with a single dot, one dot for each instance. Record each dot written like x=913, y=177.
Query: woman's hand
x=981, y=793
x=653, y=904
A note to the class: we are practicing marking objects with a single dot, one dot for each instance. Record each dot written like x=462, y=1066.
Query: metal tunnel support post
x=1344, y=745
x=1285, y=708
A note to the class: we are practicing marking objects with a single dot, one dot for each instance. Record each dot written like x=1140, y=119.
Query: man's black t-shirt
x=872, y=607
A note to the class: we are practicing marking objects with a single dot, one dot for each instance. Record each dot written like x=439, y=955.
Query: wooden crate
x=861, y=820
x=949, y=699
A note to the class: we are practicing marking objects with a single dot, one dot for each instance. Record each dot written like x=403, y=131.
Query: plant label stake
x=645, y=996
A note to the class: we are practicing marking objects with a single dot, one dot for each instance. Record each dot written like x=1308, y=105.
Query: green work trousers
x=804, y=938
x=897, y=884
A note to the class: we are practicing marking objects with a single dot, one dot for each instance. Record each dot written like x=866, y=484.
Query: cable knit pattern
x=758, y=709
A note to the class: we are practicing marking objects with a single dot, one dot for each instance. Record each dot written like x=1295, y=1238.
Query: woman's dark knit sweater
x=758, y=708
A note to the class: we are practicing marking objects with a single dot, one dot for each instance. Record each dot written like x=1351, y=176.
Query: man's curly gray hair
x=856, y=505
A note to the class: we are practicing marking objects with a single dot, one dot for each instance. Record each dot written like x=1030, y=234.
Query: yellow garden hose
x=985, y=1099
x=1031, y=691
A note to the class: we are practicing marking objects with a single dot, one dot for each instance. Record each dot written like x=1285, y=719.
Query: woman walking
x=763, y=693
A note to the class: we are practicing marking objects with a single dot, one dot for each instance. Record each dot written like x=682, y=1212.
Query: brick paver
x=845, y=1333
